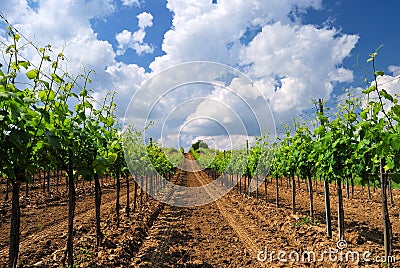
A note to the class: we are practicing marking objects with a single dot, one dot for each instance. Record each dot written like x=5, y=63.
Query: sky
x=288, y=52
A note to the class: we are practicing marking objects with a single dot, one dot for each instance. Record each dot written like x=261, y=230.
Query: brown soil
x=229, y=232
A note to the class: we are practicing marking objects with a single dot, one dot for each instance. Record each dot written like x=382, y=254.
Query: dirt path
x=213, y=235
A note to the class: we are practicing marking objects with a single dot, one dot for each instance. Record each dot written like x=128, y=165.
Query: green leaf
x=17, y=37
x=83, y=93
x=396, y=109
x=24, y=64
x=46, y=95
x=112, y=157
x=45, y=84
x=32, y=74
x=4, y=95
x=88, y=105
x=42, y=95
x=386, y=95
x=28, y=100
x=369, y=90
x=57, y=78
x=100, y=164
x=52, y=95
x=350, y=117
x=109, y=122
x=363, y=114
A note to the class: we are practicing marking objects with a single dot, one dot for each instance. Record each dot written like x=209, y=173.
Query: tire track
x=235, y=219
x=161, y=227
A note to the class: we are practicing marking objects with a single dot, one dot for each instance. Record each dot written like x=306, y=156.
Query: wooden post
x=277, y=190
x=326, y=189
x=387, y=228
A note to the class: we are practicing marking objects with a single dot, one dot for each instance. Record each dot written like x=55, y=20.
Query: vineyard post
x=369, y=190
x=134, y=193
x=340, y=209
x=387, y=228
x=277, y=190
x=389, y=180
x=48, y=180
x=311, y=197
x=352, y=186
x=127, y=196
x=44, y=180
x=26, y=188
x=69, y=251
x=293, y=192
x=256, y=186
x=97, y=191
x=238, y=183
x=141, y=191
x=117, y=205
x=151, y=183
x=247, y=187
x=15, y=225
x=7, y=189
x=326, y=188
x=265, y=188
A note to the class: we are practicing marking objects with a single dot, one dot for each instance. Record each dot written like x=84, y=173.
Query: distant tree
x=199, y=144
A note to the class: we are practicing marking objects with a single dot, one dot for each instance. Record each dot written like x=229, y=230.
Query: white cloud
x=68, y=29
x=395, y=70
x=288, y=61
x=131, y=3
x=123, y=38
x=145, y=20
x=135, y=41
x=303, y=60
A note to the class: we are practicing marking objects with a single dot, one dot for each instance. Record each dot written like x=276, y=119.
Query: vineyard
x=79, y=190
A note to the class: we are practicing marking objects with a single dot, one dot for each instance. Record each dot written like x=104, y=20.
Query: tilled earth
x=234, y=231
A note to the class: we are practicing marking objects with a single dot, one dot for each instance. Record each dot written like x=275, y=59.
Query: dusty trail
x=212, y=235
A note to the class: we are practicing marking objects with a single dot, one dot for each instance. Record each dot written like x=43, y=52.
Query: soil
x=234, y=231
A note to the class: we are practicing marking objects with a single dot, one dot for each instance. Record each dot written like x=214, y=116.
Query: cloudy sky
x=292, y=51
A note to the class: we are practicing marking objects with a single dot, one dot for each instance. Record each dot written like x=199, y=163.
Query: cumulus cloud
x=131, y=3
x=135, y=41
x=145, y=20
x=395, y=70
x=68, y=30
x=302, y=59
x=288, y=61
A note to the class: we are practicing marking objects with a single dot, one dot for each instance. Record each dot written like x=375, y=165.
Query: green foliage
x=305, y=221
x=37, y=127
x=348, y=145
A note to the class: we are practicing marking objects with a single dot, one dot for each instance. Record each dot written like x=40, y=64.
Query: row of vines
x=50, y=121
x=359, y=142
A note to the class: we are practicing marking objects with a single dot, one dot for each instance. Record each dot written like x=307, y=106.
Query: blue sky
x=294, y=51
x=373, y=21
